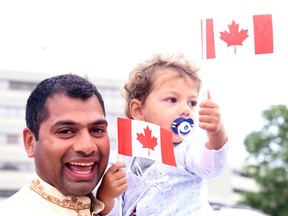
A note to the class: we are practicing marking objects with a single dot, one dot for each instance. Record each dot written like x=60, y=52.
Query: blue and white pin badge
x=182, y=126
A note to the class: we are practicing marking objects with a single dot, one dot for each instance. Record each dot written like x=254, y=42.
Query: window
x=12, y=111
x=20, y=85
x=7, y=193
x=10, y=139
x=4, y=84
x=110, y=92
x=17, y=166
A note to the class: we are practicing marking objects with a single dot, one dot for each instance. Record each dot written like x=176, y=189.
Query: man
x=67, y=136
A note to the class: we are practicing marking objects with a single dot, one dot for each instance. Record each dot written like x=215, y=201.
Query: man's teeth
x=82, y=164
x=82, y=172
x=82, y=168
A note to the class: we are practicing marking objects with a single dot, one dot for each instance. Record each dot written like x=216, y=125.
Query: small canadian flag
x=242, y=35
x=147, y=140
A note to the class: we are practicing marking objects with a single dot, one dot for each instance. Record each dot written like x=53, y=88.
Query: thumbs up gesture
x=210, y=120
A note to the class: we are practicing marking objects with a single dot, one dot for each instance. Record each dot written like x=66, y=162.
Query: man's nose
x=85, y=144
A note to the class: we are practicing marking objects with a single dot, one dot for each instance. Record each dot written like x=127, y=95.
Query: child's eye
x=171, y=100
x=192, y=103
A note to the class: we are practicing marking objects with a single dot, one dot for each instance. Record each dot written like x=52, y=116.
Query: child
x=164, y=91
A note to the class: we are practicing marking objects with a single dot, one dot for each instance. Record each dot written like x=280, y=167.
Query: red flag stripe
x=210, y=43
x=124, y=138
x=263, y=34
x=167, y=150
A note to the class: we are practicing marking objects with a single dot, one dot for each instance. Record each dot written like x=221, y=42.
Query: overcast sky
x=108, y=38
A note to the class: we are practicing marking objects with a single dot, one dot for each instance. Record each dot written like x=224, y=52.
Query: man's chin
x=79, y=189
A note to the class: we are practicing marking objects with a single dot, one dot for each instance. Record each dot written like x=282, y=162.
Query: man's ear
x=135, y=109
x=29, y=142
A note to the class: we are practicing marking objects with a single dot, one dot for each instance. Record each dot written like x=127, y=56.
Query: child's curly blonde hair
x=141, y=79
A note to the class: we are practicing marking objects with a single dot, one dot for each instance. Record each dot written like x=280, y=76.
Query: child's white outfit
x=159, y=189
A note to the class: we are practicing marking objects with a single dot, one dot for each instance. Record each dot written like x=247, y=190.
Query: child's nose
x=185, y=111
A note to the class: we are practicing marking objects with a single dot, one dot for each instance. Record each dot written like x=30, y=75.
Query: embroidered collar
x=52, y=195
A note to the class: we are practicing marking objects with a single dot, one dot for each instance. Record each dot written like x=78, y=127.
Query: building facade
x=16, y=169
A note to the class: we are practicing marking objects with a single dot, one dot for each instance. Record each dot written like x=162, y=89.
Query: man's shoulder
x=16, y=199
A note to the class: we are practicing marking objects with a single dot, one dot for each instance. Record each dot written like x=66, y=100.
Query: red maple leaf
x=235, y=37
x=147, y=140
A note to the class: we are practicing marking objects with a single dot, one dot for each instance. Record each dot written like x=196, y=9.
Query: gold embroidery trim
x=72, y=203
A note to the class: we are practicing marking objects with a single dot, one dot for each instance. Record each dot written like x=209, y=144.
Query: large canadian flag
x=239, y=35
x=143, y=139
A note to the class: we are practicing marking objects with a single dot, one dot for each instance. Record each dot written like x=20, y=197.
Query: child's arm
x=210, y=120
x=113, y=184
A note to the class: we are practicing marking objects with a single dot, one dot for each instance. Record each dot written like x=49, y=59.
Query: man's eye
x=171, y=100
x=65, y=131
x=97, y=130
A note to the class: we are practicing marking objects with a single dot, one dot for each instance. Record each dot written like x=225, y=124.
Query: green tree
x=268, y=162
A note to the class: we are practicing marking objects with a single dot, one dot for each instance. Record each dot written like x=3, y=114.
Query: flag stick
x=120, y=196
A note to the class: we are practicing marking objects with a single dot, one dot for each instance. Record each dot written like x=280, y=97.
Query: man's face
x=73, y=147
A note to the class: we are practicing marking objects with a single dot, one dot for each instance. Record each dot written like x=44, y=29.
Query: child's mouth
x=182, y=126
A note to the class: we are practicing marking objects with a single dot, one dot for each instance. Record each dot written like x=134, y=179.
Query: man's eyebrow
x=101, y=121
x=69, y=122
x=64, y=122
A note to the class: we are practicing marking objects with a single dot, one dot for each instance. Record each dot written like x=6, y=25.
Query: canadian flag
x=242, y=35
x=147, y=140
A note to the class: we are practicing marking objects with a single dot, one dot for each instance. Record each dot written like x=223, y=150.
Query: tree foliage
x=268, y=162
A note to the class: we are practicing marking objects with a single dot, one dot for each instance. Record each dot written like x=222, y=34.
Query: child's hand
x=114, y=181
x=113, y=184
x=210, y=120
x=209, y=115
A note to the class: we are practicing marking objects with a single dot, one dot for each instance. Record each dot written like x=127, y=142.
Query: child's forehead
x=169, y=72
x=169, y=77
x=175, y=73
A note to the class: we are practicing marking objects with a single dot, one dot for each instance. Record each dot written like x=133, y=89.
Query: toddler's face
x=171, y=97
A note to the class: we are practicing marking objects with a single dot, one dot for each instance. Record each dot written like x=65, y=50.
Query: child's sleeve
x=207, y=163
